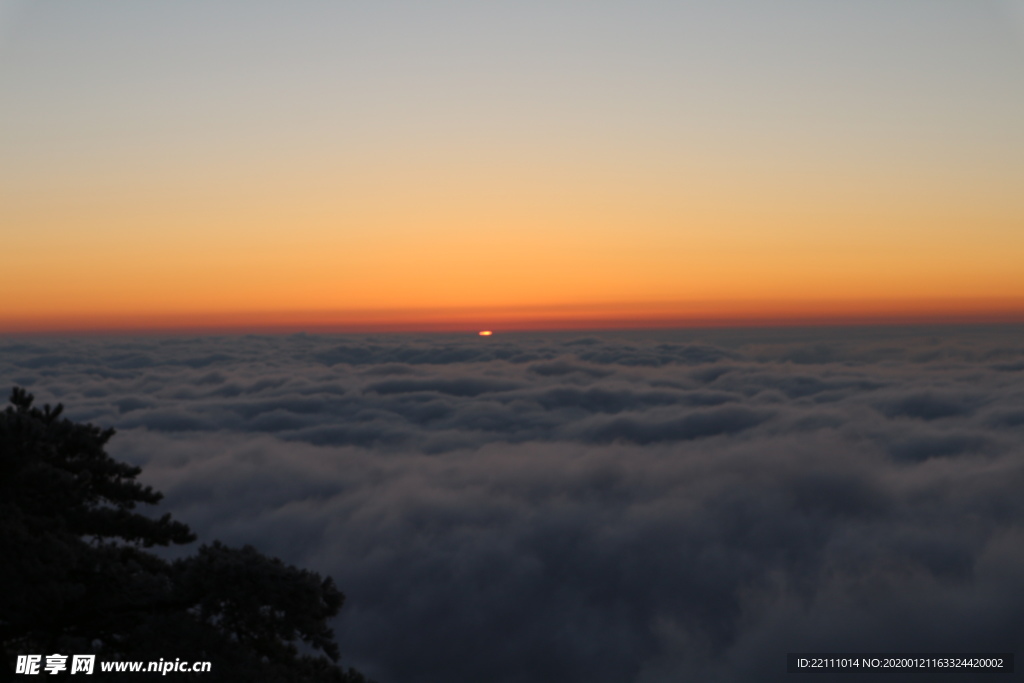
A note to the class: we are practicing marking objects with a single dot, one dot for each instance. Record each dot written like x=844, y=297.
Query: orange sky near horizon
x=634, y=315
x=383, y=171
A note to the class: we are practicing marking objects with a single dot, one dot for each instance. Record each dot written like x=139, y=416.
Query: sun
x=485, y=333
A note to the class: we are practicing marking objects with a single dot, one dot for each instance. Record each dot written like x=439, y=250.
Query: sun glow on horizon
x=526, y=318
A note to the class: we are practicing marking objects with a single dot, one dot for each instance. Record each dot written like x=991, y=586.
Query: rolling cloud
x=644, y=507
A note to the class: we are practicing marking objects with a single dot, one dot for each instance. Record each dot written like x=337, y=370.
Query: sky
x=456, y=165
x=636, y=506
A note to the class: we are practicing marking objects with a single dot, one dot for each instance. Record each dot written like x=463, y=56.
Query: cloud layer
x=644, y=507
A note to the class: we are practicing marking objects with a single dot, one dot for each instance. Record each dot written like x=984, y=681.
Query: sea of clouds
x=631, y=506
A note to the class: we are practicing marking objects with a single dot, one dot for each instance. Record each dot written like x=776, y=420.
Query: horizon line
x=551, y=318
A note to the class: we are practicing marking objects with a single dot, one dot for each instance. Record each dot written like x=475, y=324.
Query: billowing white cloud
x=619, y=507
